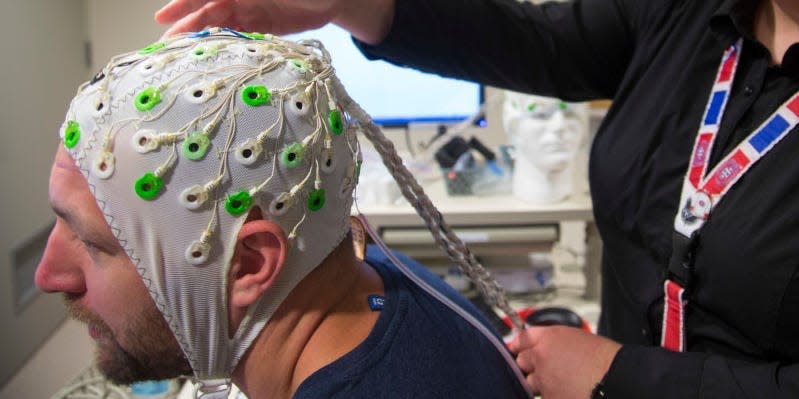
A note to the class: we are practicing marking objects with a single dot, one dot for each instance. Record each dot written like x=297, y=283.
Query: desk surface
x=481, y=210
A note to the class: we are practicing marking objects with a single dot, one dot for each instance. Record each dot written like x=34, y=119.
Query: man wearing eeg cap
x=213, y=173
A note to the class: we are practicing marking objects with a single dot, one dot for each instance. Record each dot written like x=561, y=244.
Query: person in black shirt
x=663, y=63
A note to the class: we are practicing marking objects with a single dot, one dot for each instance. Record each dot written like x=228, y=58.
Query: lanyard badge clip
x=681, y=263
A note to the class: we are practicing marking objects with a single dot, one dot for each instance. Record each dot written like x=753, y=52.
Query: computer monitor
x=392, y=95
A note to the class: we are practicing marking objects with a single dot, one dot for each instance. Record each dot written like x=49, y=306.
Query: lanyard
x=702, y=190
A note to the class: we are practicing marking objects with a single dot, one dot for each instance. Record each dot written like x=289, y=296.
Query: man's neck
x=777, y=26
x=324, y=317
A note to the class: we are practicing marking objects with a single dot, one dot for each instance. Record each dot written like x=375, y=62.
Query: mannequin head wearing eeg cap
x=547, y=134
x=181, y=140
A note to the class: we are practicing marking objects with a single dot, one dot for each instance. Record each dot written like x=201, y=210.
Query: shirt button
x=643, y=332
x=748, y=90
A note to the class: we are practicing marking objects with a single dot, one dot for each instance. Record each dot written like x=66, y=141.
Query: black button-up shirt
x=657, y=59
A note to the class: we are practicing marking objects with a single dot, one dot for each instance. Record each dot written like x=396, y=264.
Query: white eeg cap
x=179, y=140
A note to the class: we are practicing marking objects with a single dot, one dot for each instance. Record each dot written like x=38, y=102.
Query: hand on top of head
x=273, y=16
x=367, y=20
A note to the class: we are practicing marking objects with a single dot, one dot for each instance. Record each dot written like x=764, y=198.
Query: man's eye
x=89, y=246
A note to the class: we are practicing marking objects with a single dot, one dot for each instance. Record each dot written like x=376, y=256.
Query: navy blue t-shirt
x=418, y=348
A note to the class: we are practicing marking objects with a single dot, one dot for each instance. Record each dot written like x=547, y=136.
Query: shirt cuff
x=652, y=372
x=401, y=31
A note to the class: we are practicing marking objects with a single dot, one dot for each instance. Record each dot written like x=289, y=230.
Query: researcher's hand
x=367, y=20
x=563, y=362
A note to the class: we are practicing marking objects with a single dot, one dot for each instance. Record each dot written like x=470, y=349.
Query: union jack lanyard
x=701, y=193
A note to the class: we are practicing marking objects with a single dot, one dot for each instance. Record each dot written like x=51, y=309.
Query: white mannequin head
x=547, y=134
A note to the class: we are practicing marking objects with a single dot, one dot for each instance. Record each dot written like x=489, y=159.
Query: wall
x=117, y=26
x=42, y=63
x=64, y=356
x=44, y=60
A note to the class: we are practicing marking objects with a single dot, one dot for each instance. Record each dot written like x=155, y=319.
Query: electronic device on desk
x=395, y=96
x=463, y=175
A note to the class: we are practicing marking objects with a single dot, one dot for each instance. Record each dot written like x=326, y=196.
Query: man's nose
x=60, y=267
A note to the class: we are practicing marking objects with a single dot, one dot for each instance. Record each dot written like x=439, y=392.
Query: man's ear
x=261, y=249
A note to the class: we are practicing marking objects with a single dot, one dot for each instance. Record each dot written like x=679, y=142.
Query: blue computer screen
x=394, y=95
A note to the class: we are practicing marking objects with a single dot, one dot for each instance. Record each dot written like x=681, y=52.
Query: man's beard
x=152, y=354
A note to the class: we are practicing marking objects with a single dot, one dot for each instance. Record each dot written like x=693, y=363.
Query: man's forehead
x=65, y=175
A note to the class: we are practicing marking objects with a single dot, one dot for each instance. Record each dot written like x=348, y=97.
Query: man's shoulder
x=420, y=348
